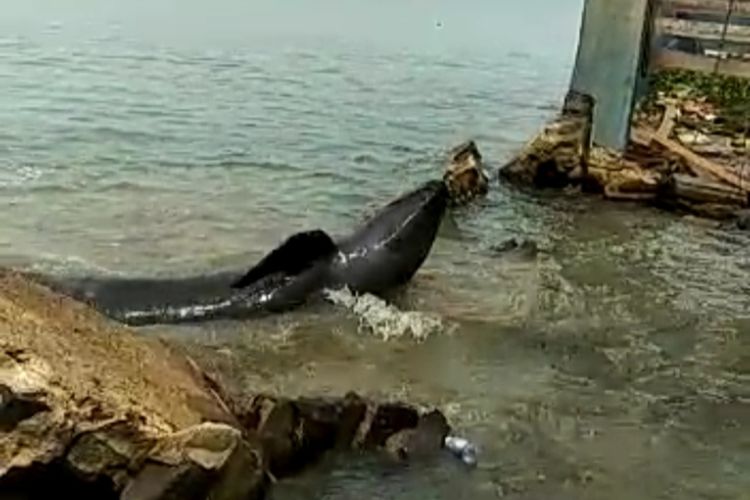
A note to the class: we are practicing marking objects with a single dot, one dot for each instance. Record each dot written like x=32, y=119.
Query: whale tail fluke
x=297, y=253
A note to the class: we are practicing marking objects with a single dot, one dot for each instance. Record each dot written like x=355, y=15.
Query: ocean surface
x=170, y=137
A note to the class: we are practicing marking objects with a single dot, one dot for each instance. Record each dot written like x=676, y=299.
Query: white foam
x=384, y=320
x=55, y=264
x=16, y=176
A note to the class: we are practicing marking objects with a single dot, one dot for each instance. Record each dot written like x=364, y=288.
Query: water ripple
x=139, y=152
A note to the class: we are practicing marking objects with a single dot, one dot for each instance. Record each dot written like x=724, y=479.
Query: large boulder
x=423, y=440
x=296, y=433
x=89, y=409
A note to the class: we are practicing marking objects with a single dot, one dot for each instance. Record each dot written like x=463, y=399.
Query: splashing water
x=14, y=176
x=385, y=320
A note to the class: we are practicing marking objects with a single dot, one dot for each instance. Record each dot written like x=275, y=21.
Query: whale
x=383, y=253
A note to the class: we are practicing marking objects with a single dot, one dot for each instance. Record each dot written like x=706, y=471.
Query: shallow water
x=146, y=138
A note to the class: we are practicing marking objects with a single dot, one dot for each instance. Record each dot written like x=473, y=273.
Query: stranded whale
x=385, y=252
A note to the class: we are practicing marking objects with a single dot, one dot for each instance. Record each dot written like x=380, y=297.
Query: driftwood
x=697, y=190
x=698, y=165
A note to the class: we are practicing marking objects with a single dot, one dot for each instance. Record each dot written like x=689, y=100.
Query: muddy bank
x=90, y=409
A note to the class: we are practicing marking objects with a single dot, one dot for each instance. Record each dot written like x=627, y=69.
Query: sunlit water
x=176, y=137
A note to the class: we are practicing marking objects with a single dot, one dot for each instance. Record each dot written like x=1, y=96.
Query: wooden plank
x=667, y=122
x=640, y=137
x=699, y=165
x=740, y=6
x=608, y=64
x=702, y=30
x=673, y=59
x=698, y=190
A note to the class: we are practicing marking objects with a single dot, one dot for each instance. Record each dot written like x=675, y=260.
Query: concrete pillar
x=609, y=64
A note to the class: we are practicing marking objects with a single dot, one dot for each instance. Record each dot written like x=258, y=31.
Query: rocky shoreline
x=91, y=409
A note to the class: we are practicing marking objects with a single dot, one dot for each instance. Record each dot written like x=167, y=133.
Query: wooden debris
x=697, y=190
x=464, y=174
x=700, y=165
x=559, y=154
x=667, y=124
x=661, y=164
x=719, y=149
x=715, y=211
x=620, y=178
x=692, y=138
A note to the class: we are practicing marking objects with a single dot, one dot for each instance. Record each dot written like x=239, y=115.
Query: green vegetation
x=721, y=90
x=730, y=95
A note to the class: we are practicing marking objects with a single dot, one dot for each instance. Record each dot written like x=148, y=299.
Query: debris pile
x=689, y=148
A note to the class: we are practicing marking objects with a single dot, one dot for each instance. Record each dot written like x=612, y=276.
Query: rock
x=208, y=445
x=354, y=411
x=526, y=250
x=52, y=480
x=465, y=176
x=558, y=155
x=715, y=211
x=297, y=433
x=529, y=248
x=743, y=220
x=242, y=476
x=330, y=424
x=279, y=438
x=384, y=421
x=158, y=481
x=89, y=409
x=15, y=408
x=505, y=246
x=423, y=441
x=206, y=461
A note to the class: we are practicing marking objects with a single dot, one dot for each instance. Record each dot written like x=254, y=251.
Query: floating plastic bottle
x=463, y=449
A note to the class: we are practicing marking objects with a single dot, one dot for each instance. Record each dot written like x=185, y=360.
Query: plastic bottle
x=463, y=449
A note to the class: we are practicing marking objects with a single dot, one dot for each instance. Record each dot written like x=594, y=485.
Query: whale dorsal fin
x=292, y=257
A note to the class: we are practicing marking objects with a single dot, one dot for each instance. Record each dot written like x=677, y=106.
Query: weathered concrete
x=559, y=154
x=610, y=65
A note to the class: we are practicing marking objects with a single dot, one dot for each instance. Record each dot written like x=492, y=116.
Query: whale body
x=383, y=253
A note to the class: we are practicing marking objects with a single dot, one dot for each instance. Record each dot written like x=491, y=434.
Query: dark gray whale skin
x=384, y=253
